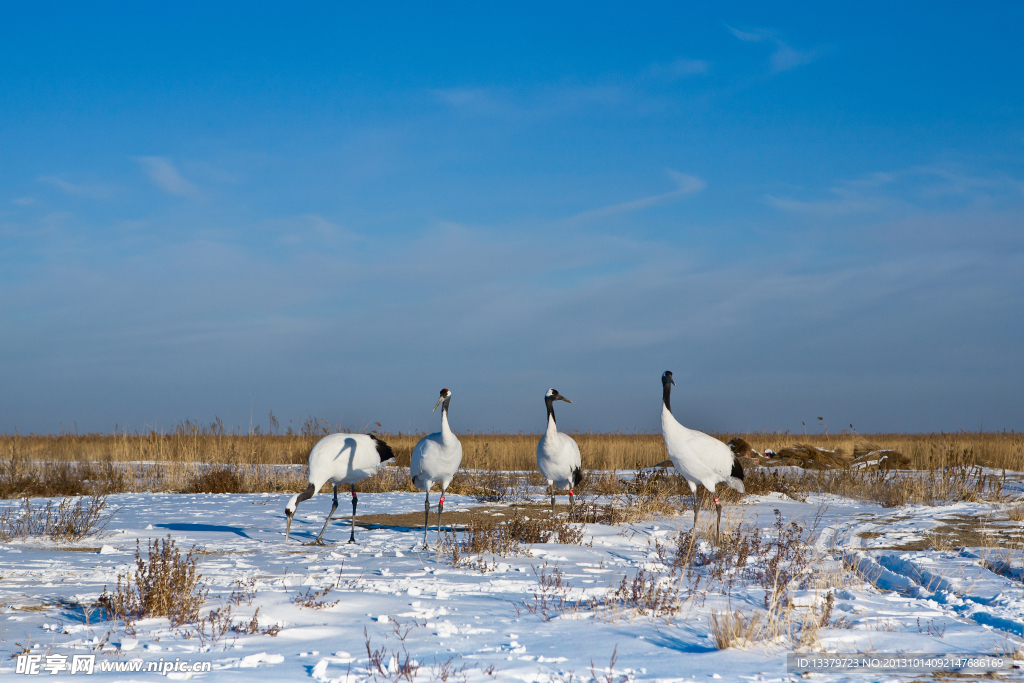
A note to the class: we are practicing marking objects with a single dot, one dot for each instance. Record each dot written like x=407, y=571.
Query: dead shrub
x=587, y=511
x=652, y=593
x=501, y=487
x=165, y=584
x=216, y=480
x=314, y=599
x=553, y=529
x=482, y=537
x=732, y=629
x=552, y=597
x=72, y=519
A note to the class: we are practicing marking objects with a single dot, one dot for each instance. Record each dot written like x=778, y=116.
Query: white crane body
x=558, y=457
x=558, y=454
x=699, y=458
x=343, y=459
x=435, y=460
x=339, y=459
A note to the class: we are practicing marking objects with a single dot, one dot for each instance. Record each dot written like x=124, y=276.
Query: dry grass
x=500, y=467
x=166, y=584
x=733, y=629
x=72, y=519
x=190, y=443
x=481, y=537
x=956, y=479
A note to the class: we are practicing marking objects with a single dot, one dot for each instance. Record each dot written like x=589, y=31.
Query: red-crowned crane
x=558, y=455
x=699, y=458
x=339, y=459
x=436, y=459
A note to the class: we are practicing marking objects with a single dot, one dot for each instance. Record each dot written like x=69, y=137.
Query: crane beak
x=563, y=398
x=288, y=529
x=673, y=382
x=439, y=401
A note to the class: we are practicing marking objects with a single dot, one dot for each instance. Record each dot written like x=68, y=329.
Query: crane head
x=667, y=378
x=289, y=512
x=445, y=395
x=555, y=396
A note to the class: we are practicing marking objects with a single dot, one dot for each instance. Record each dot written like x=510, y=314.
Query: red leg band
x=716, y=501
x=441, y=501
x=572, y=492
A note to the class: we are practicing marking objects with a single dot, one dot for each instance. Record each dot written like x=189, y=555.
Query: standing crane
x=699, y=458
x=558, y=455
x=436, y=459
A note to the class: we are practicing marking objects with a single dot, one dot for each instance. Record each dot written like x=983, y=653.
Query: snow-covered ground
x=392, y=596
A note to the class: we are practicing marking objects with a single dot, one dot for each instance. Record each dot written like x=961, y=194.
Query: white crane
x=436, y=459
x=558, y=455
x=700, y=458
x=339, y=459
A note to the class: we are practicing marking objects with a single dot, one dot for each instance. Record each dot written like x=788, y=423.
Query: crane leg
x=718, y=528
x=426, y=516
x=355, y=501
x=551, y=484
x=440, y=509
x=696, y=510
x=572, y=503
x=334, y=506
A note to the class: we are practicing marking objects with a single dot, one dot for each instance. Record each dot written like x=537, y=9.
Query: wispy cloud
x=163, y=174
x=685, y=185
x=841, y=206
x=920, y=186
x=539, y=103
x=785, y=57
x=93, y=191
x=311, y=228
x=25, y=201
x=748, y=36
x=680, y=68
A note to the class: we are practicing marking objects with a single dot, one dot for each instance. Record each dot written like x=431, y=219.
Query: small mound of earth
x=881, y=459
x=808, y=457
x=742, y=449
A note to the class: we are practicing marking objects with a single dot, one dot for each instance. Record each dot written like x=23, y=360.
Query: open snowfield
x=465, y=624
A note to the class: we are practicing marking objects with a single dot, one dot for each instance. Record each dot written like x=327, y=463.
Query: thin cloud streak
x=686, y=185
x=898, y=191
x=680, y=68
x=163, y=174
x=785, y=56
x=93, y=191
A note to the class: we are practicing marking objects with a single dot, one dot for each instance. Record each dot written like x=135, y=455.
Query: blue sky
x=801, y=210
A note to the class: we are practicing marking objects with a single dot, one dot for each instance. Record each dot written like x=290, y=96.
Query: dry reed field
x=191, y=443
x=212, y=460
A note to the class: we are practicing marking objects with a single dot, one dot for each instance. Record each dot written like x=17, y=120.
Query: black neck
x=306, y=495
x=550, y=402
x=444, y=406
x=666, y=389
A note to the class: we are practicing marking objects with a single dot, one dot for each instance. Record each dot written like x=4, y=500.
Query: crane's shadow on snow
x=180, y=526
x=678, y=644
x=391, y=527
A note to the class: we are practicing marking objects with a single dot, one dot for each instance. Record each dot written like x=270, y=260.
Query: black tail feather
x=383, y=450
x=577, y=477
x=737, y=468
